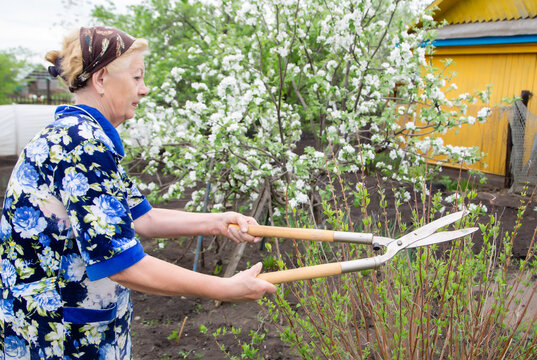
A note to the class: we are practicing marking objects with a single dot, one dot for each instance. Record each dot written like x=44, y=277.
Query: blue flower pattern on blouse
x=66, y=225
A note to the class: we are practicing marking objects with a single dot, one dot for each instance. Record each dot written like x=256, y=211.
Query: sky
x=39, y=25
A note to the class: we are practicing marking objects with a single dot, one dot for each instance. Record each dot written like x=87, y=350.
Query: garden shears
x=423, y=236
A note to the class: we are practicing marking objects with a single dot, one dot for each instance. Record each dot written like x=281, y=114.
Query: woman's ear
x=97, y=80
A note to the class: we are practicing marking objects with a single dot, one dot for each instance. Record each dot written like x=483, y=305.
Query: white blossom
x=410, y=125
x=301, y=198
x=483, y=113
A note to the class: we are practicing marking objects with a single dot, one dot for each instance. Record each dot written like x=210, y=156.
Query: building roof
x=473, y=11
x=486, y=22
x=497, y=28
x=38, y=73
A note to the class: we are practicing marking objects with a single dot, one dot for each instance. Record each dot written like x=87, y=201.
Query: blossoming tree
x=237, y=84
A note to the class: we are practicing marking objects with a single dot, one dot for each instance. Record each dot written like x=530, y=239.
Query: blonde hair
x=71, y=54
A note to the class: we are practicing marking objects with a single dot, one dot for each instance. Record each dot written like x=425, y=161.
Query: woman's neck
x=91, y=98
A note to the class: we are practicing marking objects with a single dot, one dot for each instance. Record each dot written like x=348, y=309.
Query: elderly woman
x=69, y=253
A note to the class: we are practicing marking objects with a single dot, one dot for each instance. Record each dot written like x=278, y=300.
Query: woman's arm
x=154, y=276
x=165, y=223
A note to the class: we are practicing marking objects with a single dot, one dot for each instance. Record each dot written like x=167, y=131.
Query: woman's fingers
x=266, y=287
x=240, y=235
x=249, y=287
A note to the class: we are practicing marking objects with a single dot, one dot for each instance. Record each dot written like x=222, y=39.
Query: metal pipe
x=200, y=238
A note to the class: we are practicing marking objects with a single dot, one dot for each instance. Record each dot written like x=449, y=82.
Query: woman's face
x=123, y=89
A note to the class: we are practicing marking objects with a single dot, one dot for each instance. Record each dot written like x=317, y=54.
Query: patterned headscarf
x=100, y=46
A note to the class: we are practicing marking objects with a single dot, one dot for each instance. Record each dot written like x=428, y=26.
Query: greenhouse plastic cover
x=20, y=123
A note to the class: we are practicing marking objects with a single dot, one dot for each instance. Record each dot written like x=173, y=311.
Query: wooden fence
x=40, y=101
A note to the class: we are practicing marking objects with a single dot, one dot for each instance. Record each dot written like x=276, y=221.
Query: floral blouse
x=66, y=225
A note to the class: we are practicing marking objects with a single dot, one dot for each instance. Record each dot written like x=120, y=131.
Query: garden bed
x=170, y=328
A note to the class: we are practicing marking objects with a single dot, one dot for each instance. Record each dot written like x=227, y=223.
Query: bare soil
x=169, y=328
x=158, y=320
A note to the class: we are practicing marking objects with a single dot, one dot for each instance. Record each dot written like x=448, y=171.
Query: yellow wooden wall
x=509, y=70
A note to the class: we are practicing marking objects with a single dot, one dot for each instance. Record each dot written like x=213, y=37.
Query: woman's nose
x=143, y=90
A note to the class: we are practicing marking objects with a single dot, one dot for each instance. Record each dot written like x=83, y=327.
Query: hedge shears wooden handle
x=309, y=234
x=304, y=273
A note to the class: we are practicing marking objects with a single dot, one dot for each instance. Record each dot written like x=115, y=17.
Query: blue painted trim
x=489, y=40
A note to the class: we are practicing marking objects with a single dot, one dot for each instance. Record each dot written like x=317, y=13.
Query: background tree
x=13, y=67
x=236, y=85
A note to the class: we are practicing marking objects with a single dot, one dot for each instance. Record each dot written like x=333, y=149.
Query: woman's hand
x=245, y=286
x=238, y=235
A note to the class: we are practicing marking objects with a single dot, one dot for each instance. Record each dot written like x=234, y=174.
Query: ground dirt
x=169, y=328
